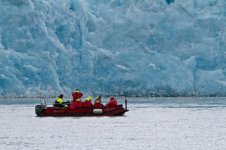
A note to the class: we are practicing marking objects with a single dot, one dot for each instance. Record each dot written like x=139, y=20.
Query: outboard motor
x=39, y=110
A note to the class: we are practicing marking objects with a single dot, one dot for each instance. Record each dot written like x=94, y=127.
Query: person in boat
x=98, y=103
x=88, y=102
x=112, y=102
x=77, y=94
x=59, y=101
x=76, y=102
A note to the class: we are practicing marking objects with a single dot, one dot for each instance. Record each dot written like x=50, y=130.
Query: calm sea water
x=151, y=124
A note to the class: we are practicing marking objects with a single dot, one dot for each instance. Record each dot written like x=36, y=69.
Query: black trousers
x=59, y=105
x=62, y=105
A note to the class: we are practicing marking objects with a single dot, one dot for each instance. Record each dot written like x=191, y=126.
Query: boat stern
x=39, y=110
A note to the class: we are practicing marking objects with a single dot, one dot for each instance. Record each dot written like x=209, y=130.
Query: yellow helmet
x=89, y=98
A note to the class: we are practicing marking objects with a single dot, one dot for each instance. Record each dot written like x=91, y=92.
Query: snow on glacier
x=126, y=47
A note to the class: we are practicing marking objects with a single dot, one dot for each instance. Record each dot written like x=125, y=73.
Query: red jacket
x=87, y=104
x=76, y=104
x=97, y=104
x=77, y=95
x=112, y=102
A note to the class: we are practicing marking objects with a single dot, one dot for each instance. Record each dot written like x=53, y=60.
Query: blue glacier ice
x=120, y=47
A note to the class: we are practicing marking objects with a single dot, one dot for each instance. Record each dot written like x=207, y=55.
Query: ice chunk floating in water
x=138, y=47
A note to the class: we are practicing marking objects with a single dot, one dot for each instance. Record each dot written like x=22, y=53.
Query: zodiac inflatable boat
x=43, y=110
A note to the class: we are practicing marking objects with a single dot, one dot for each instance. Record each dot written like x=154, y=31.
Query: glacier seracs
x=126, y=47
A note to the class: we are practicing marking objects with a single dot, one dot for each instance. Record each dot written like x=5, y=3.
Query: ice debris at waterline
x=137, y=47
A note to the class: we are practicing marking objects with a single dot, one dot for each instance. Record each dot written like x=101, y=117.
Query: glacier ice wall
x=126, y=47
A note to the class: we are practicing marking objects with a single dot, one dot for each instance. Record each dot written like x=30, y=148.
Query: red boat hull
x=42, y=111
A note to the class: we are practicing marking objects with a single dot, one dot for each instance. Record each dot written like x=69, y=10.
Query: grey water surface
x=151, y=124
